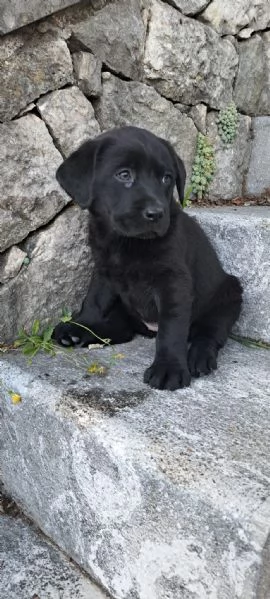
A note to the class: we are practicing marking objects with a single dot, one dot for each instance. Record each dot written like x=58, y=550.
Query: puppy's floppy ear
x=179, y=170
x=76, y=173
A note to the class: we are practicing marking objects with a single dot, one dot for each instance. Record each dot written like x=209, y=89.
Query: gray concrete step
x=155, y=494
x=33, y=568
x=241, y=236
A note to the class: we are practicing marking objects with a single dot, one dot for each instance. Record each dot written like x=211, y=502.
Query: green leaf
x=35, y=327
x=35, y=339
x=47, y=334
x=22, y=334
x=66, y=313
x=29, y=351
x=19, y=342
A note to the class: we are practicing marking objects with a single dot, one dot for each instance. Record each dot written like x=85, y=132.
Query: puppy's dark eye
x=167, y=179
x=125, y=175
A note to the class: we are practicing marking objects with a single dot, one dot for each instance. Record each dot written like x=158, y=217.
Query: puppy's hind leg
x=210, y=332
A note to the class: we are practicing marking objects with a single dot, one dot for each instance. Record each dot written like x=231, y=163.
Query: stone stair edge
x=128, y=426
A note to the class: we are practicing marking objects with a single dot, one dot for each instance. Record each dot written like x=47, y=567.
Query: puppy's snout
x=153, y=214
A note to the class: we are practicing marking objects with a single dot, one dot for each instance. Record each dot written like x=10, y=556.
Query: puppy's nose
x=153, y=214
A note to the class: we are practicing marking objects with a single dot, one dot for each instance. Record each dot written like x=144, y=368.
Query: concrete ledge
x=155, y=494
x=241, y=237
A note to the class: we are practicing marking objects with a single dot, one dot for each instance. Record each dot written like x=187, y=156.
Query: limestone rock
x=184, y=108
x=230, y=17
x=245, y=33
x=30, y=195
x=29, y=108
x=87, y=69
x=252, y=87
x=15, y=13
x=10, y=263
x=41, y=63
x=70, y=118
x=56, y=277
x=231, y=160
x=190, y=7
x=32, y=567
x=258, y=177
x=133, y=103
x=198, y=114
x=189, y=64
x=115, y=34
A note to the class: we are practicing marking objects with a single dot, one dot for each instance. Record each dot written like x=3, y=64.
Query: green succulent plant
x=227, y=122
x=204, y=166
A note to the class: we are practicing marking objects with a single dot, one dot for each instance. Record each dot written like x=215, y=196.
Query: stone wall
x=170, y=66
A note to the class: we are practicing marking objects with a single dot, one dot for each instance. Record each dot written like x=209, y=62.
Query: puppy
x=153, y=263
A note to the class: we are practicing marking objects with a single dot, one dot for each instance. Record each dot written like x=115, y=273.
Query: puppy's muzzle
x=153, y=214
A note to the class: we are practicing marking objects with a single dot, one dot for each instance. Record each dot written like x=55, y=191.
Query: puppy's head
x=126, y=178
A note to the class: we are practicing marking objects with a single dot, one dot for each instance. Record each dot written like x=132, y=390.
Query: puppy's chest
x=133, y=284
x=140, y=298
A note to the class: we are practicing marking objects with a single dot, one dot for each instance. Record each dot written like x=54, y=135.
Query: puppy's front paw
x=69, y=334
x=167, y=375
x=202, y=357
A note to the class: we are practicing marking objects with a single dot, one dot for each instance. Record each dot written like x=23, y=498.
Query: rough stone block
x=230, y=17
x=56, y=277
x=258, y=176
x=189, y=7
x=231, y=160
x=198, y=114
x=17, y=13
x=29, y=193
x=155, y=494
x=87, y=68
x=134, y=103
x=33, y=568
x=70, y=118
x=115, y=34
x=252, y=86
x=241, y=238
x=29, y=108
x=191, y=63
x=11, y=263
x=37, y=65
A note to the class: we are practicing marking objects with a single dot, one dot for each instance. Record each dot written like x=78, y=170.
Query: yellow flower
x=15, y=398
x=96, y=368
x=118, y=356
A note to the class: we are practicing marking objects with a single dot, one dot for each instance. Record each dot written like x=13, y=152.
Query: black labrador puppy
x=153, y=263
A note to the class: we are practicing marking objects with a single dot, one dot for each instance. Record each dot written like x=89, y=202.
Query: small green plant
x=41, y=340
x=187, y=197
x=35, y=341
x=204, y=166
x=249, y=342
x=227, y=122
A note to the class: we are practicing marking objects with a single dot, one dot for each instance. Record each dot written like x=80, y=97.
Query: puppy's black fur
x=153, y=263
